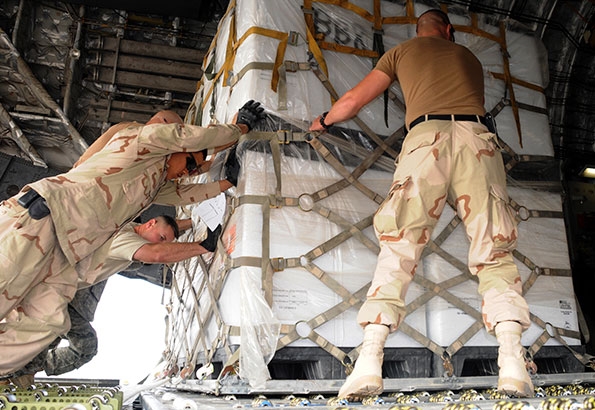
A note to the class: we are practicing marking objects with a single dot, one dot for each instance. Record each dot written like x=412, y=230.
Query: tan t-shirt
x=122, y=248
x=437, y=76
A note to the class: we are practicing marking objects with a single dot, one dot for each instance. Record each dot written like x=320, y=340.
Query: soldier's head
x=162, y=228
x=435, y=22
x=183, y=164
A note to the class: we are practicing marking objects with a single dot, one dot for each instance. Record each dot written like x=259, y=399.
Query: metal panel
x=16, y=173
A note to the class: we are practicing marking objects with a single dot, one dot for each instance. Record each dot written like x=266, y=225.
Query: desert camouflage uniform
x=82, y=338
x=88, y=204
x=439, y=160
x=27, y=340
x=444, y=159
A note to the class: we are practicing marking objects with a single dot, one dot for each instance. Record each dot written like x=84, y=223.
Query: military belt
x=448, y=117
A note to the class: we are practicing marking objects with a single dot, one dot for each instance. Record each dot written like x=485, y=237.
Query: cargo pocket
x=415, y=141
x=137, y=189
x=503, y=219
x=416, y=148
x=486, y=141
x=385, y=219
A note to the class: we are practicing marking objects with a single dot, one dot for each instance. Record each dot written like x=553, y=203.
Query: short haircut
x=437, y=12
x=171, y=222
x=443, y=16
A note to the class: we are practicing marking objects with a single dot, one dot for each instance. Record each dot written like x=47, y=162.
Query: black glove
x=250, y=114
x=210, y=243
x=232, y=167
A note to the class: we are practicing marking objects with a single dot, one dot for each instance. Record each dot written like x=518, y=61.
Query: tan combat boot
x=513, y=378
x=366, y=378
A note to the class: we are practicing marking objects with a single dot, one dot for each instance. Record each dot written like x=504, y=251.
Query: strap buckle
x=291, y=66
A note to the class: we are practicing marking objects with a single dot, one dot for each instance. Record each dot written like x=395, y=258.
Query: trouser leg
x=482, y=201
x=39, y=319
x=82, y=340
x=404, y=223
x=479, y=190
x=26, y=253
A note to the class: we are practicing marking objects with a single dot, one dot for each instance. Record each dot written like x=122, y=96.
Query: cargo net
x=298, y=249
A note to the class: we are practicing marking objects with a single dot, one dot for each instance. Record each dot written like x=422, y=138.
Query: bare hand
x=316, y=125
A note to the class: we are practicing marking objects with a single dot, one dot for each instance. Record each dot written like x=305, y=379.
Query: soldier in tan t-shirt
x=134, y=245
x=448, y=153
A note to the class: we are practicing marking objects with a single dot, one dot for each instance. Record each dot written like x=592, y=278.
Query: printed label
x=290, y=299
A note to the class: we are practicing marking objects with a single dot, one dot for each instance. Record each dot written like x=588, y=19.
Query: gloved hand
x=232, y=167
x=210, y=243
x=250, y=114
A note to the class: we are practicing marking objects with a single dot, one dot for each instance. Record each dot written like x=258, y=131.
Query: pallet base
x=313, y=363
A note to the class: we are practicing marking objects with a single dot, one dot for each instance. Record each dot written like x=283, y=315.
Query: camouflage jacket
x=89, y=203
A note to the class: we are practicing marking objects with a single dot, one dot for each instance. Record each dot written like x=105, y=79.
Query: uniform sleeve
x=169, y=138
x=174, y=193
x=102, y=141
x=386, y=64
x=125, y=245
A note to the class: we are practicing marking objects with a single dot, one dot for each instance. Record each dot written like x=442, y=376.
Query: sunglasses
x=191, y=164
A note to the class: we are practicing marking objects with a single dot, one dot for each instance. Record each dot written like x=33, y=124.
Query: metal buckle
x=291, y=66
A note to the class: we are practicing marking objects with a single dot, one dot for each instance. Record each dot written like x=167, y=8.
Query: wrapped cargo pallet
x=298, y=249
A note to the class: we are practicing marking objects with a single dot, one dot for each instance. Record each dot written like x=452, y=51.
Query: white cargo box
x=298, y=295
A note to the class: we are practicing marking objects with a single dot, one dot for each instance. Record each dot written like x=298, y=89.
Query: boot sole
x=515, y=387
x=363, y=387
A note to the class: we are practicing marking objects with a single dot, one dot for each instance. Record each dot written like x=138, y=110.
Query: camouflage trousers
x=441, y=160
x=36, y=285
x=82, y=347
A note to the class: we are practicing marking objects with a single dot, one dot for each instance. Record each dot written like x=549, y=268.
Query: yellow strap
x=228, y=63
x=279, y=35
x=377, y=15
x=508, y=81
x=399, y=20
x=351, y=7
x=516, y=81
x=229, y=50
x=317, y=53
x=308, y=16
x=230, y=7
